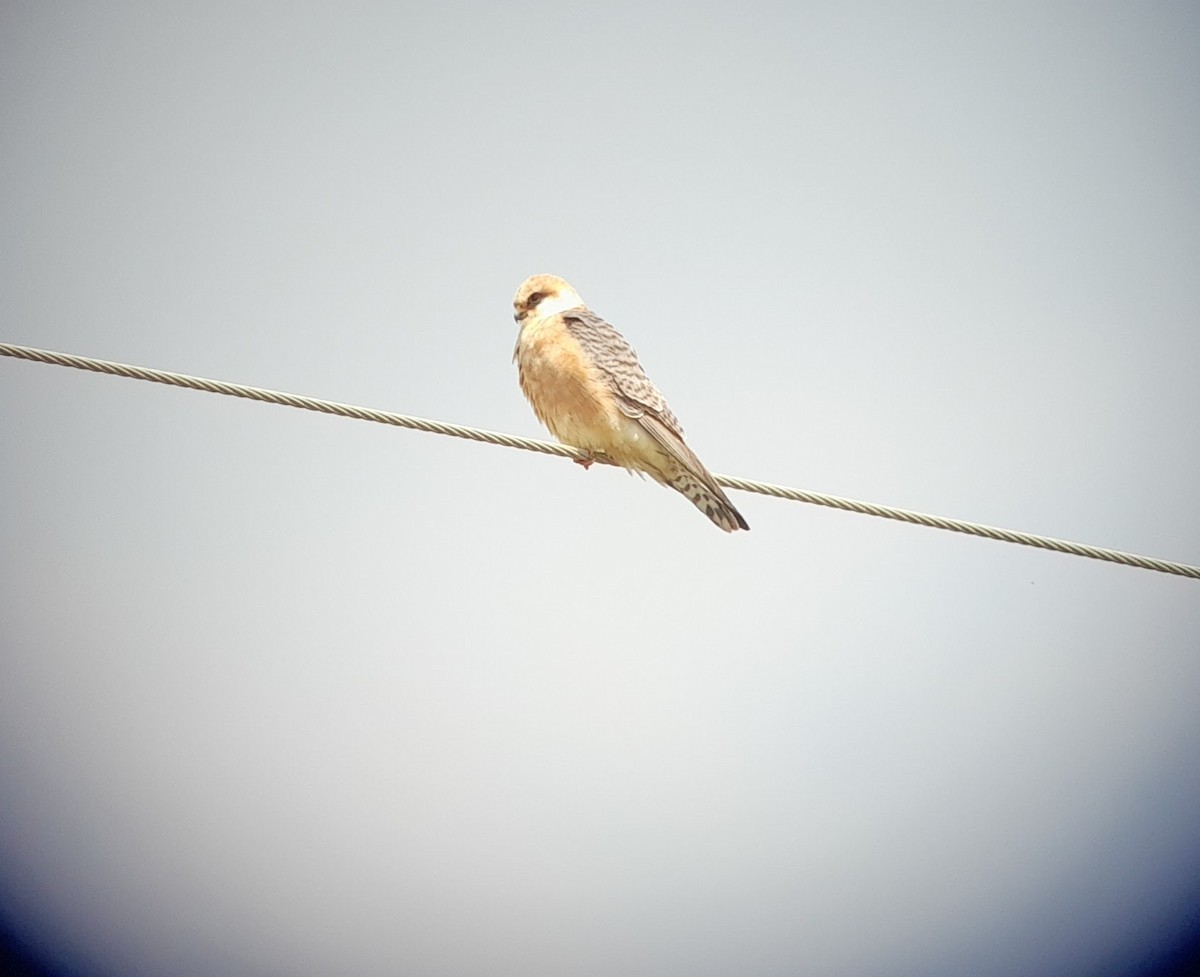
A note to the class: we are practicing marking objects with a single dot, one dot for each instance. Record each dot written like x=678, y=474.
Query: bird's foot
x=586, y=463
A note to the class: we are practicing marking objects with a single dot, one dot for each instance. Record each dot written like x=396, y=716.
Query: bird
x=585, y=384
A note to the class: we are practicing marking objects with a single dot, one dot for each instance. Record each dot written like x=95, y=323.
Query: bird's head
x=544, y=295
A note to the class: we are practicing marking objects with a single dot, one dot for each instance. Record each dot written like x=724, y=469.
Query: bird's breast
x=568, y=393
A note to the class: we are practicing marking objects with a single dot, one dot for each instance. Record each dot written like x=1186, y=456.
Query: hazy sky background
x=289, y=694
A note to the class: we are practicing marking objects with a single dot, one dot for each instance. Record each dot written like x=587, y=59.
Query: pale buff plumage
x=586, y=385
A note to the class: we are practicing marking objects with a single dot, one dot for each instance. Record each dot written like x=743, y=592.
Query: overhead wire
x=565, y=451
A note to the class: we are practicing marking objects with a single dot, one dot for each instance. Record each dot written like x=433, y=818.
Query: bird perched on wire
x=586, y=385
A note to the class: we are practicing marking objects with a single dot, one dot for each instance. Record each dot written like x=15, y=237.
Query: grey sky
x=288, y=694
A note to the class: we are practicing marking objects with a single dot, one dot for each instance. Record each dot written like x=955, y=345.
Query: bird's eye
x=535, y=298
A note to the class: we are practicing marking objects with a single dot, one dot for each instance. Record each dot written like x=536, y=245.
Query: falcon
x=585, y=383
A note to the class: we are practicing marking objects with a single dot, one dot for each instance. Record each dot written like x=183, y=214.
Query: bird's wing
x=612, y=355
x=636, y=393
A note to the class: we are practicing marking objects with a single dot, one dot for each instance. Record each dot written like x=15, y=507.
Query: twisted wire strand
x=564, y=451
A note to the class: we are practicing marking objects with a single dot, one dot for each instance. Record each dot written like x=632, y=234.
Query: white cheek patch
x=554, y=304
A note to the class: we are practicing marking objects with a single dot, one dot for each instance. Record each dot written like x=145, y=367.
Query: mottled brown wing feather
x=637, y=395
x=616, y=359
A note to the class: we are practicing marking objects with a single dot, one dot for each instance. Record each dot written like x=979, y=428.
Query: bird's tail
x=708, y=499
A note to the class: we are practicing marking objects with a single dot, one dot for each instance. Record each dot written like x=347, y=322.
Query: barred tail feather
x=715, y=505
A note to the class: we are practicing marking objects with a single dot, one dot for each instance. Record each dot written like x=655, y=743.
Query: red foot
x=586, y=463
